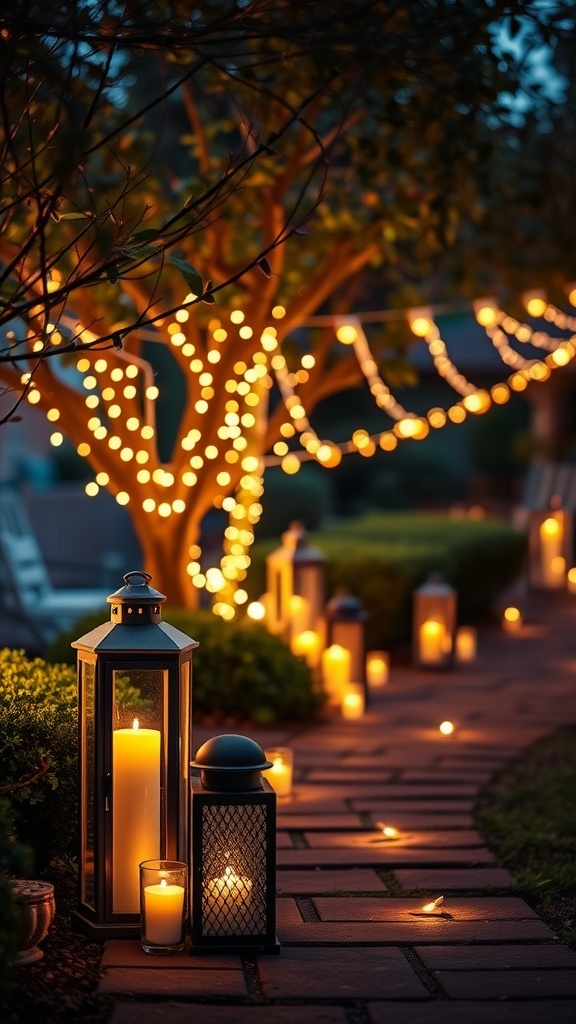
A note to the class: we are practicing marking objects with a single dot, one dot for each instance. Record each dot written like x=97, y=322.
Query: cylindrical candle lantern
x=134, y=691
x=279, y=775
x=163, y=905
x=433, y=623
x=550, y=547
x=377, y=669
x=296, y=569
x=512, y=619
x=466, y=643
x=233, y=851
x=346, y=627
x=353, y=701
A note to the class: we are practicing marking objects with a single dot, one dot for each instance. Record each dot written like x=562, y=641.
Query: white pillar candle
x=280, y=774
x=230, y=898
x=299, y=611
x=353, y=701
x=335, y=672
x=307, y=645
x=432, y=642
x=135, y=811
x=571, y=580
x=552, y=564
x=377, y=668
x=163, y=910
x=466, y=638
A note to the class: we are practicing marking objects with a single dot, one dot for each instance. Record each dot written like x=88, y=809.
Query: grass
x=527, y=815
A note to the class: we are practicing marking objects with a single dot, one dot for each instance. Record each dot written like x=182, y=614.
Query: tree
x=378, y=129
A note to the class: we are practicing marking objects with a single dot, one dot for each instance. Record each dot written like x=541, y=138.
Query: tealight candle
x=353, y=701
x=162, y=894
x=571, y=580
x=280, y=774
x=377, y=668
x=512, y=619
x=446, y=728
x=465, y=644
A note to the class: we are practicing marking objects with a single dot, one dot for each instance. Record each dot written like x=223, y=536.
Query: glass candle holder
x=280, y=774
x=163, y=887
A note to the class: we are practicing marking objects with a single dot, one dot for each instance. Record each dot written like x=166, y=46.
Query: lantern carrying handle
x=136, y=572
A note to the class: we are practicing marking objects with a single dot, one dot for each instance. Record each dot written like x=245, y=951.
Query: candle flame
x=277, y=764
x=163, y=883
x=433, y=905
x=388, y=830
x=135, y=724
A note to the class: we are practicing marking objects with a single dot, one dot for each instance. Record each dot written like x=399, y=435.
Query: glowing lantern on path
x=295, y=584
x=434, y=606
x=550, y=547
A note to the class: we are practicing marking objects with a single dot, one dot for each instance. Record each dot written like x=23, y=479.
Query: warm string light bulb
x=429, y=908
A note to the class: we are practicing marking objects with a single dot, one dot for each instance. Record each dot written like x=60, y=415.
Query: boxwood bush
x=38, y=754
x=15, y=861
x=240, y=671
x=381, y=558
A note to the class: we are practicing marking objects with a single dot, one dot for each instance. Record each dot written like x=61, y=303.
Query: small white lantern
x=346, y=627
x=434, y=608
x=295, y=570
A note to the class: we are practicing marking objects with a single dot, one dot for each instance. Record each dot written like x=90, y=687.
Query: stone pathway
x=357, y=947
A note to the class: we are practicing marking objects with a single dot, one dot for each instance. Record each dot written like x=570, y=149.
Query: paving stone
x=502, y=958
x=458, y=908
x=415, y=806
x=184, y=1013
x=428, y=928
x=367, y=838
x=527, y=984
x=410, y=820
x=287, y=912
x=339, y=973
x=310, y=882
x=384, y=857
x=172, y=982
x=129, y=953
x=348, y=775
x=443, y=1012
x=284, y=841
x=311, y=822
x=456, y=878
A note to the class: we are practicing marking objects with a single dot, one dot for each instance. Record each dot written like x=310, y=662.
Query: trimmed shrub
x=38, y=754
x=15, y=859
x=240, y=670
x=381, y=558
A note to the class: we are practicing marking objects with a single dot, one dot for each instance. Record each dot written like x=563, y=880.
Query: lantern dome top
x=231, y=763
x=345, y=606
x=231, y=752
x=436, y=584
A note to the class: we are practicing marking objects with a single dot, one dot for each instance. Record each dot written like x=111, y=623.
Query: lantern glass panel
x=87, y=719
x=309, y=584
x=137, y=774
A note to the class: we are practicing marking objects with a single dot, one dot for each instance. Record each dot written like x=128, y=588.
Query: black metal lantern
x=134, y=691
x=346, y=627
x=434, y=609
x=295, y=585
x=233, y=849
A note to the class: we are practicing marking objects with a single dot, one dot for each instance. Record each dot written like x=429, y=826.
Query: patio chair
x=27, y=594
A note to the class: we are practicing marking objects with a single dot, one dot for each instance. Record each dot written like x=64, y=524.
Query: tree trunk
x=165, y=548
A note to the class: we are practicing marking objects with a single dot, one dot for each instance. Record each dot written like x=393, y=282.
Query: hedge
x=381, y=558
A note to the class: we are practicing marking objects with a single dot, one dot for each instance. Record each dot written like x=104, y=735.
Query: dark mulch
x=60, y=988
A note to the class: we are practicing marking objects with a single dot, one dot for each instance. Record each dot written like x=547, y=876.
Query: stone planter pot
x=37, y=916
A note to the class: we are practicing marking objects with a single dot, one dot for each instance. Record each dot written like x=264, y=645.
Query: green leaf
x=74, y=216
x=190, y=275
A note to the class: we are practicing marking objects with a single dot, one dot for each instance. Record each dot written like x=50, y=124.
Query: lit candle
x=377, y=668
x=512, y=619
x=335, y=672
x=280, y=774
x=571, y=580
x=353, y=701
x=135, y=811
x=429, y=908
x=465, y=644
x=299, y=612
x=163, y=910
x=432, y=642
x=552, y=564
x=446, y=728
x=307, y=645
x=231, y=898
